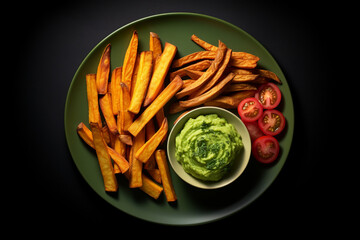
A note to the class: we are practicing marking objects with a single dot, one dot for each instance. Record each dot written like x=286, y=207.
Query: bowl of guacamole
x=209, y=147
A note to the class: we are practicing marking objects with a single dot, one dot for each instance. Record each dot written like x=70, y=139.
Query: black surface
x=54, y=38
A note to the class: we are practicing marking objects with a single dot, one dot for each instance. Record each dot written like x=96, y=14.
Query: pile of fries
x=132, y=97
x=131, y=102
x=217, y=77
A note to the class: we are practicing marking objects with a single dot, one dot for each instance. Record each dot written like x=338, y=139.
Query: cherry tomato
x=254, y=130
x=265, y=149
x=250, y=109
x=272, y=122
x=269, y=95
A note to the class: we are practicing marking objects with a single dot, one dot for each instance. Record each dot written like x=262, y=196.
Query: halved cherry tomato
x=269, y=95
x=254, y=130
x=265, y=149
x=250, y=109
x=272, y=122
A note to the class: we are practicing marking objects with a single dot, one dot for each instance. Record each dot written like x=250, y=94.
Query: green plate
x=194, y=206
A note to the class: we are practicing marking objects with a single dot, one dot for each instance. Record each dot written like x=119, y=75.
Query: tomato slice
x=254, y=130
x=265, y=149
x=250, y=109
x=272, y=122
x=269, y=95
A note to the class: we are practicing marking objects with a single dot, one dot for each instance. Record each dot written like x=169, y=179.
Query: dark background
x=48, y=45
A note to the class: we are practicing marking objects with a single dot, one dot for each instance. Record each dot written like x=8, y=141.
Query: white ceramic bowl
x=240, y=162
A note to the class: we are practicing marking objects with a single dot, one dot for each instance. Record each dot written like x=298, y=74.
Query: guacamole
x=207, y=146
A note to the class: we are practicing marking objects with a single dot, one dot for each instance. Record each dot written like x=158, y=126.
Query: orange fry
x=162, y=163
x=129, y=60
x=150, y=187
x=142, y=81
x=103, y=70
x=216, y=77
x=103, y=156
x=220, y=54
x=243, y=63
x=155, y=45
x=193, y=57
x=182, y=72
x=135, y=180
x=149, y=132
x=87, y=136
x=160, y=73
x=106, y=108
x=115, y=89
x=211, y=94
x=145, y=152
x=93, y=102
x=155, y=106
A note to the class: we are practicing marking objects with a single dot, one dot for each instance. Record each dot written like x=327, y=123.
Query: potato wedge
x=142, y=81
x=106, y=109
x=211, y=94
x=145, y=152
x=103, y=156
x=196, y=56
x=93, y=101
x=155, y=106
x=86, y=134
x=135, y=180
x=220, y=54
x=103, y=71
x=129, y=60
x=162, y=163
x=160, y=73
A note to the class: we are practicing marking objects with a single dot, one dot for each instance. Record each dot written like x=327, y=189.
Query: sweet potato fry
x=231, y=101
x=142, y=81
x=145, y=152
x=162, y=163
x=220, y=54
x=103, y=71
x=243, y=63
x=160, y=73
x=267, y=74
x=216, y=77
x=126, y=117
x=236, y=87
x=149, y=132
x=129, y=60
x=203, y=44
x=93, y=102
x=201, y=55
x=103, y=156
x=87, y=136
x=155, y=45
x=127, y=139
x=150, y=188
x=204, y=64
x=210, y=47
x=240, y=78
x=155, y=106
x=211, y=94
x=175, y=108
x=155, y=174
x=106, y=109
x=115, y=89
x=135, y=180
x=193, y=74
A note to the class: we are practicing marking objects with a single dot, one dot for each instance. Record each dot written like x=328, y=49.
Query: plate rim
x=235, y=209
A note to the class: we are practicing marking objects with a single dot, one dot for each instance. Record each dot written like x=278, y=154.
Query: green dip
x=206, y=147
